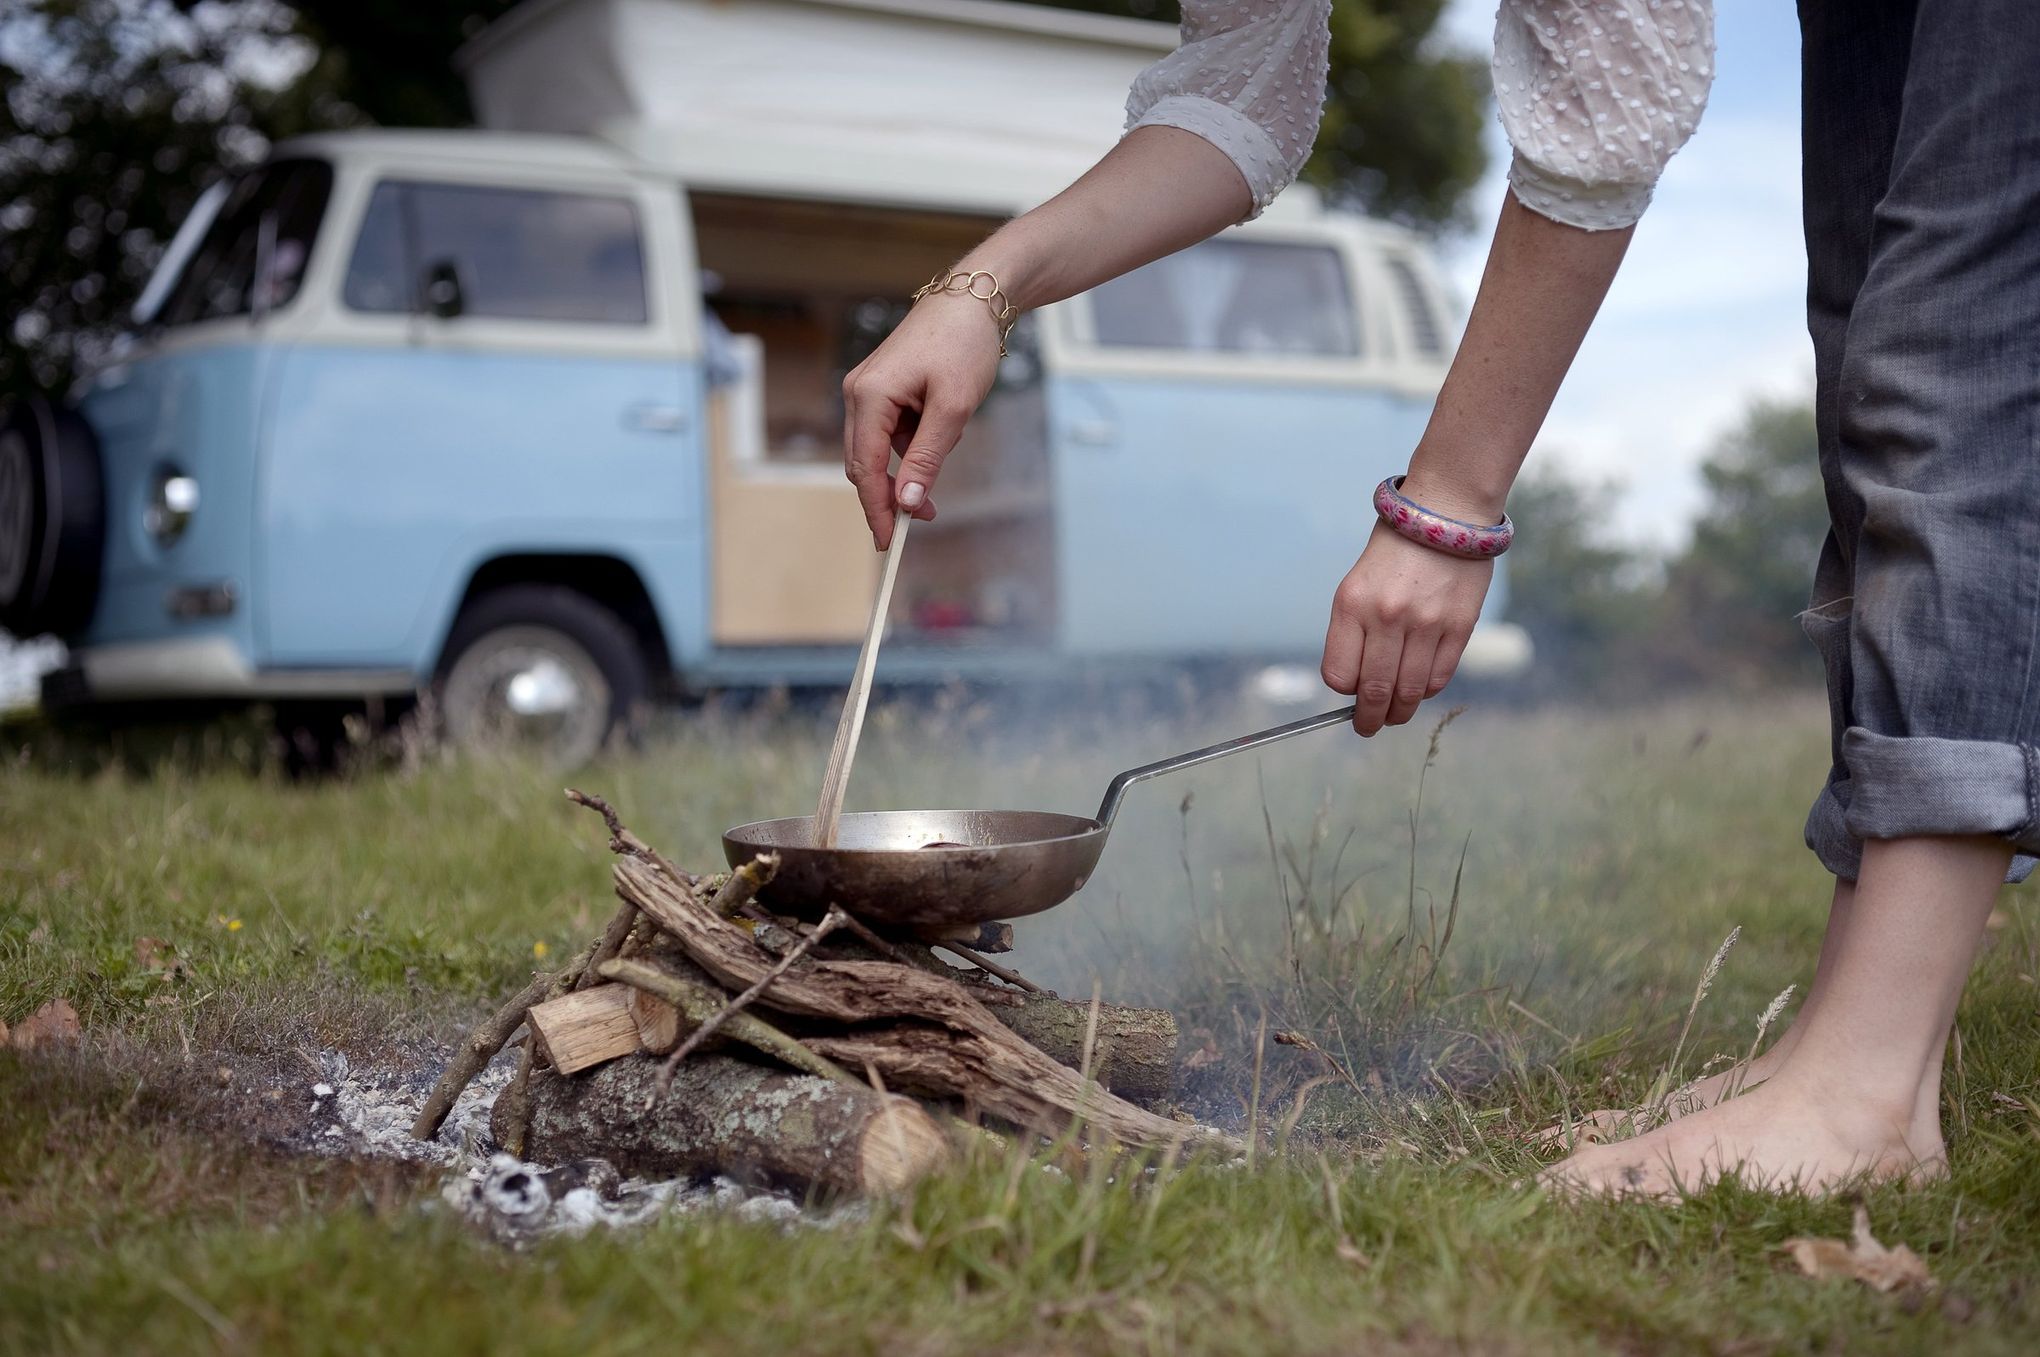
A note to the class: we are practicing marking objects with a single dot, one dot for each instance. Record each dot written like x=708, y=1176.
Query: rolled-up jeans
x=1921, y=146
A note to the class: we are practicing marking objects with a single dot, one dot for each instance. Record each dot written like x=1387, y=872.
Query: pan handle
x=1116, y=792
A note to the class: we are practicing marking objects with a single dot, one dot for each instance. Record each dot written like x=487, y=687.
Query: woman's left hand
x=1400, y=621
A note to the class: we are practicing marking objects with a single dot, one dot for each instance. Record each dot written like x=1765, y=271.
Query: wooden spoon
x=836, y=777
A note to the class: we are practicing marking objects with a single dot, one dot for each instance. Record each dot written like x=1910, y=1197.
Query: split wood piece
x=1133, y=1054
x=731, y=1116
x=657, y=1022
x=512, y=1106
x=990, y=1067
x=475, y=1052
x=695, y=1004
x=586, y=1027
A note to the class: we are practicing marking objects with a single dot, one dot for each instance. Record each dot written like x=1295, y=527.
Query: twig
x=697, y=1004
x=743, y=884
x=990, y=967
x=862, y=932
x=478, y=1050
x=1304, y=1043
x=610, y=946
x=737, y=1005
x=621, y=840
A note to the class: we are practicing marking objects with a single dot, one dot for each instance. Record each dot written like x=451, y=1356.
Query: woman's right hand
x=913, y=396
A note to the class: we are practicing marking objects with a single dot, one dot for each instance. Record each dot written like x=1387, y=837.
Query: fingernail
x=911, y=495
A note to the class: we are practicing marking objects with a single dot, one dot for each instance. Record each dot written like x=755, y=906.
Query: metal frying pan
x=927, y=868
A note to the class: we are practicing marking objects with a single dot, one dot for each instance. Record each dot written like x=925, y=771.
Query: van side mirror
x=440, y=290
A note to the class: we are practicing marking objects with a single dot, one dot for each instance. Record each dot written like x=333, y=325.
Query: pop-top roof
x=968, y=104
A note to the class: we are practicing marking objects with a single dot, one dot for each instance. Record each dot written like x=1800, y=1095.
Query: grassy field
x=1598, y=859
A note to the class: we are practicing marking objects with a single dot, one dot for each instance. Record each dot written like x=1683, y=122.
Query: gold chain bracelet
x=953, y=282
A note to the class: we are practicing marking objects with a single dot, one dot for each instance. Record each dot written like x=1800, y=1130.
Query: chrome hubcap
x=528, y=689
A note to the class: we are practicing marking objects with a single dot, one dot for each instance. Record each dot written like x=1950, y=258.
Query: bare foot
x=1605, y=1124
x=1782, y=1136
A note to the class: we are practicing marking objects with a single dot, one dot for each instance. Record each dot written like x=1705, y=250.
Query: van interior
x=796, y=294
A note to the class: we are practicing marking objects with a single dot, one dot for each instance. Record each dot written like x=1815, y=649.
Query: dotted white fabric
x=1249, y=78
x=1596, y=96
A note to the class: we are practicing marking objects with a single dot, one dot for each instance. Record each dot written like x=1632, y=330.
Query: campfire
x=703, y=1032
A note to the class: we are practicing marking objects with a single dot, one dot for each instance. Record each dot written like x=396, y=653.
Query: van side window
x=1232, y=296
x=519, y=254
x=1426, y=333
x=266, y=227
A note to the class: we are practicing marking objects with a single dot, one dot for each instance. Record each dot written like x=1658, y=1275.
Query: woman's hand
x=1400, y=620
x=913, y=396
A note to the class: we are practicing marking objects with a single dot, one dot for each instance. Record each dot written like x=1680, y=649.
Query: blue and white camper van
x=545, y=417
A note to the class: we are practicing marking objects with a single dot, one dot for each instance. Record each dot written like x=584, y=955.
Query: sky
x=1708, y=311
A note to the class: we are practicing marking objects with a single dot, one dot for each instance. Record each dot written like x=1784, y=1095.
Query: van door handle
x=655, y=418
x=1093, y=433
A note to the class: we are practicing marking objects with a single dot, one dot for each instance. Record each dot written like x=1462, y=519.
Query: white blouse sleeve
x=1249, y=78
x=1596, y=95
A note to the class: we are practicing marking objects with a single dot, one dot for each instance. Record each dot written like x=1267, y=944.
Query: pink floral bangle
x=1476, y=541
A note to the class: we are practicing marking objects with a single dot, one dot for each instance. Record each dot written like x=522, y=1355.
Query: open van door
x=1218, y=421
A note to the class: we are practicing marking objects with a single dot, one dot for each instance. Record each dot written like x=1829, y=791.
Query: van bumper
x=201, y=667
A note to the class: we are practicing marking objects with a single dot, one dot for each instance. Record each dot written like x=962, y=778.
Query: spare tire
x=52, y=520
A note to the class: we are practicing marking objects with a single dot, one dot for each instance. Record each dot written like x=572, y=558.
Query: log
x=985, y=1065
x=1134, y=1053
x=585, y=1027
x=729, y=1116
x=657, y=1022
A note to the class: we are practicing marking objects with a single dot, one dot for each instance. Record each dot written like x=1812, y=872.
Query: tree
x=1402, y=119
x=117, y=114
x=1580, y=596
x=1732, y=596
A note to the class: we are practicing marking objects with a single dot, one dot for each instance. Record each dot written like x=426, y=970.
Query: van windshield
x=254, y=254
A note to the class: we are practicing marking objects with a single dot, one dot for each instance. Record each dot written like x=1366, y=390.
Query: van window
x=1425, y=330
x=266, y=226
x=520, y=254
x=1232, y=296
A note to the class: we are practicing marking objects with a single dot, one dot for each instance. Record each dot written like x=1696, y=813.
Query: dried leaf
x=1862, y=1258
x=55, y=1021
x=158, y=957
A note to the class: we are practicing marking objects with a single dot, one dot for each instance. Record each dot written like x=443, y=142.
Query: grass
x=1525, y=946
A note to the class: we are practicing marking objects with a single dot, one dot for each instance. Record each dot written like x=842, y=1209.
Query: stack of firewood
x=703, y=1032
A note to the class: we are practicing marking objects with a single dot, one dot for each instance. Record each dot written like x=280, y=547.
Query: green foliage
x=1732, y=596
x=1402, y=118
x=117, y=114
x=1608, y=618
x=1576, y=593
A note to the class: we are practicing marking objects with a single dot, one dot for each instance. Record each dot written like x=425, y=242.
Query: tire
x=52, y=520
x=542, y=670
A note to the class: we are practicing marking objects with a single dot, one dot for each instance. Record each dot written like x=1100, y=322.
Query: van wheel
x=539, y=670
x=52, y=520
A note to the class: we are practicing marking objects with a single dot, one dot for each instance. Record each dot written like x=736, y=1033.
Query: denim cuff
x=1904, y=786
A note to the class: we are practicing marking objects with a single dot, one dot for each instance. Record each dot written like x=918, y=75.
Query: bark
x=729, y=1116
x=987, y=1065
x=1134, y=1053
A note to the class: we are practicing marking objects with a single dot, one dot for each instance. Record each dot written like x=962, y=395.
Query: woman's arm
x=1217, y=128
x=1158, y=191
x=1595, y=101
x=1402, y=615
